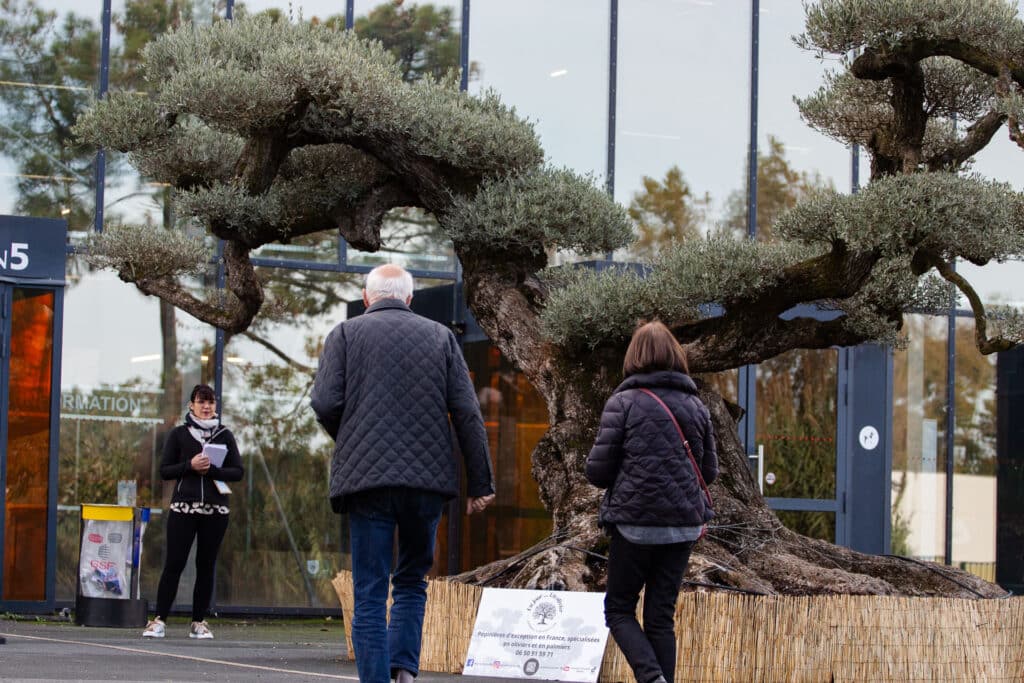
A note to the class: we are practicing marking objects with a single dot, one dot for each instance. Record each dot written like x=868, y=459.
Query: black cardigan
x=180, y=448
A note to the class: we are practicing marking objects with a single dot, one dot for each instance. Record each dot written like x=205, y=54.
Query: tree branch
x=361, y=226
x=241, y=281
x=278, y=352
x=978, y=136
x=876, y=65
x=225, y=317
x=984, y=343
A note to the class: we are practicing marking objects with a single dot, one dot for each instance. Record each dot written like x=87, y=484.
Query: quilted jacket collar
x=388, y=303
x=668, y=379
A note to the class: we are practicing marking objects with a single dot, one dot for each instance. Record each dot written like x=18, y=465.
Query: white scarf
x=201, y=430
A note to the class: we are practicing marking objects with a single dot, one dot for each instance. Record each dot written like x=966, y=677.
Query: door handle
x=759, y=457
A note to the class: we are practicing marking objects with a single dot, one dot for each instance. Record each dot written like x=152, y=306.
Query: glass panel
x=658, y=129
x=516, y=417
x=919, y=444
x=974, y=453
x=125, y=362
x=47, y=75
x=796, y=423
x=282, y=547
x=323, y=10
x=550, y=61
x=320, y=247
x=820, y=525
x=28, y=445
x=786, y=71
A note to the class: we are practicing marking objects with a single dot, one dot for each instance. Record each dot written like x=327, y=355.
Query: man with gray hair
x=390, y=387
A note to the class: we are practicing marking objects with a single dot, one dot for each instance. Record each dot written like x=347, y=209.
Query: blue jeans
x=381, y=647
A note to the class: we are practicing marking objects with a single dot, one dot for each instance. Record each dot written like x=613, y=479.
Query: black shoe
x=404, y=676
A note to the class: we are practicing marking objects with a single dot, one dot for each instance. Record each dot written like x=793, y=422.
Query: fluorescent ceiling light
x=235, y=359
x=143, y=359
x=559, y=73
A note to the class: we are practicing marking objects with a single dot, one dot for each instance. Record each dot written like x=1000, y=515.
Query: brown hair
x=654, y=347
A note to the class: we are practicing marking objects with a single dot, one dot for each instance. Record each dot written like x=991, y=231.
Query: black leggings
x=181, y=530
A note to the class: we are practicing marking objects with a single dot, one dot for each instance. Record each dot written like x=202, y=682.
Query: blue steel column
x=349, y=23
x=101, y=154
x=950, y=420
x=855, y=168
x=218, y=352
x=229, y=10
x=613, y=71
x=459, y=312
x=747, y=394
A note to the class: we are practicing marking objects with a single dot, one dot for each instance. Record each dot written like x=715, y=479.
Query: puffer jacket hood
x=640, y=459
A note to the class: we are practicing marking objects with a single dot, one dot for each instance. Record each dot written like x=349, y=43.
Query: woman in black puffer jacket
x=656, y=504
x=199, y=507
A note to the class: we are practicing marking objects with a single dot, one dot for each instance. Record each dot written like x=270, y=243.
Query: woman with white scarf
x=199, y=507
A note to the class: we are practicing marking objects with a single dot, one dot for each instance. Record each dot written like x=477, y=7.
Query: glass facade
x=613, y=92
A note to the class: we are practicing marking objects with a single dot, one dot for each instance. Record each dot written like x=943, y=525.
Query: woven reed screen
x=734, y=638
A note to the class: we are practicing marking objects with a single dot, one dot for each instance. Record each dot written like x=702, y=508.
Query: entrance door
x=28, y=317
x=798, y=440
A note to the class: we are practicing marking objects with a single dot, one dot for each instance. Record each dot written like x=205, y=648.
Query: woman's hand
x=200, y=463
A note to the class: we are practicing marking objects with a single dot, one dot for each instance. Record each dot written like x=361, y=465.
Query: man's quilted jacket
x=387, y=382
x=639, y=457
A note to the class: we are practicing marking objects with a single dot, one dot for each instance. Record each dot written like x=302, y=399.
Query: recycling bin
x=108, y=562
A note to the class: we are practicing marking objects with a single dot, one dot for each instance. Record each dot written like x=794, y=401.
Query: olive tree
x=269, y=131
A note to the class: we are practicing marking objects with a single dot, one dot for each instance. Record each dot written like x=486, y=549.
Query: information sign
x=547, y=635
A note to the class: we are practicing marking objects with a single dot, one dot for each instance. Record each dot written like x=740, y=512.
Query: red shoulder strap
x=686, y=444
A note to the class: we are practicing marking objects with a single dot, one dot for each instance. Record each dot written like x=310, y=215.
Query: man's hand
x=478, y=504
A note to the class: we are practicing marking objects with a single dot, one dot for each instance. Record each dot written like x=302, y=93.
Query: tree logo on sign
x=543, y=612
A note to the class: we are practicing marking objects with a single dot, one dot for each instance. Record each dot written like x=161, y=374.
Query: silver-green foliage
x=856, y=111
x=539, y=210
x=147, y=253
x=251, y=76
x=841, y=26
x=586, y=308
x=942, y=213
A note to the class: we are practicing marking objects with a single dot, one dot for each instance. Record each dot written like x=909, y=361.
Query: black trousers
x=658, y=569
x=208, y=532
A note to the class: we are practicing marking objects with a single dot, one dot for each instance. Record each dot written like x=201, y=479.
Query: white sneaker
x=154, y=629
x=199, y=629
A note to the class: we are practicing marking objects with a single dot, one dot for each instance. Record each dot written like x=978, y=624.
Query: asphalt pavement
x=242, y=650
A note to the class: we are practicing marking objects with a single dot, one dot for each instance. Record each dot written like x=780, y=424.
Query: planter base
x=110, y=613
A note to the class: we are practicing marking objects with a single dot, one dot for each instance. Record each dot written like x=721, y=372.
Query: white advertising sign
x=547, y=635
